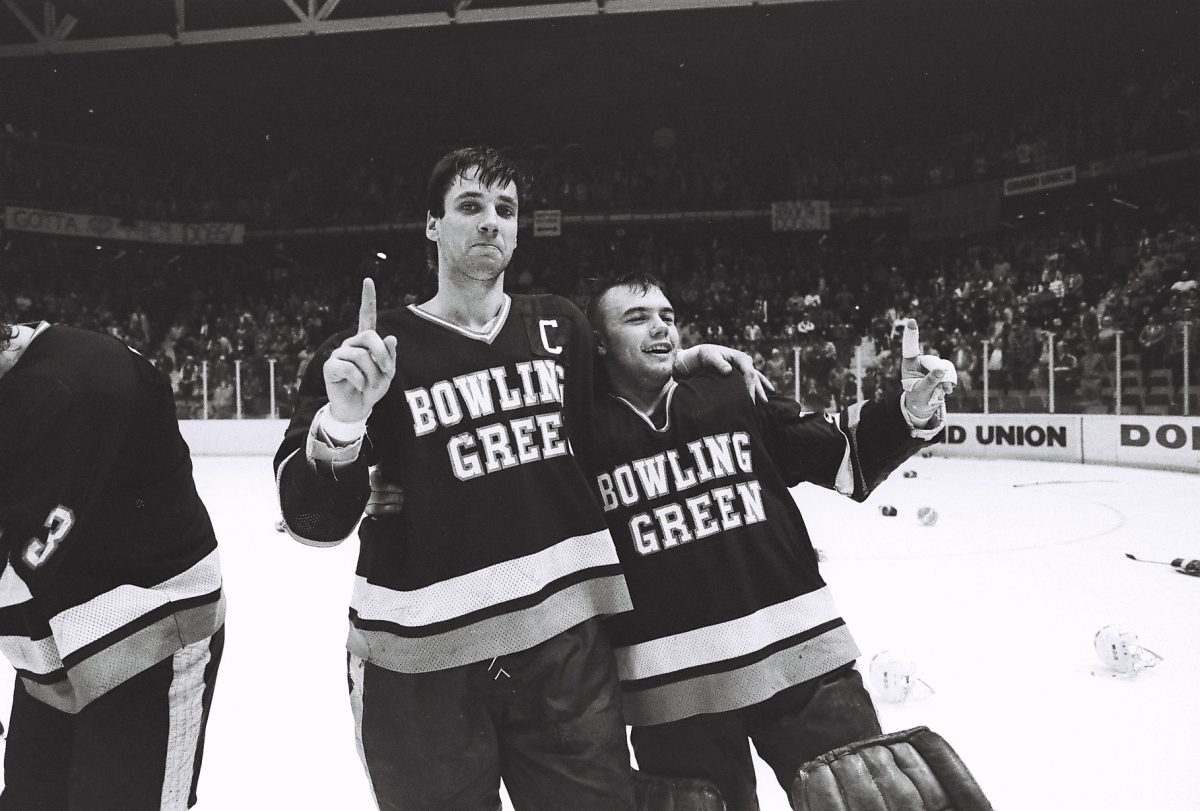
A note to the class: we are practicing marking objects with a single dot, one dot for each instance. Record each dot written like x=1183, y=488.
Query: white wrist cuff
x=343, y=433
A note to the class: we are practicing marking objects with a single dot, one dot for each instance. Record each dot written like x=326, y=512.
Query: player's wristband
x=326, y=454
x=342, y=433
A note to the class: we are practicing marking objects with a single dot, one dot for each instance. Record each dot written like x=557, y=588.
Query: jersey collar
x=487, y=335
x=672, y=385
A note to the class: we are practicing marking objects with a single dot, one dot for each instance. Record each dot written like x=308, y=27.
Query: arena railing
x=1125, y=380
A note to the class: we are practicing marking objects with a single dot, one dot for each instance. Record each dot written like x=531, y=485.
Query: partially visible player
x=734, y=636
x=111, y=605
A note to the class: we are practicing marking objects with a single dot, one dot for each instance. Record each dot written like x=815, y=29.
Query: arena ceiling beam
x=307, y=18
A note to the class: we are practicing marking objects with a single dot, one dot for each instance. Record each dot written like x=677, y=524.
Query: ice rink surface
x=997, y=604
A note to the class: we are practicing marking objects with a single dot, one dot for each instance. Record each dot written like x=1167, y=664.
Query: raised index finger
x=912, y=341
x=366, y=310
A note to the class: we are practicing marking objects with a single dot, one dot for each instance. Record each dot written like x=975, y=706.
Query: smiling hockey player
x=734, y=635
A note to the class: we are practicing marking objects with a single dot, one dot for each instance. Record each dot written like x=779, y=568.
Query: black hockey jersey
x=729, y=604
x=501, y=543
x=110, y=562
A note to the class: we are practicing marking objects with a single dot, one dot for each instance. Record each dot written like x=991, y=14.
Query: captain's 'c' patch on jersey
x=549, y=334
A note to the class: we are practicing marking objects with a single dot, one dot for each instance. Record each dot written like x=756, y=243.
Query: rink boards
x=1165, y=443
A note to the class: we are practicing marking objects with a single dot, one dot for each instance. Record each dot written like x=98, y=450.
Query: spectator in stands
x=222, y=397
x=1094, y=374
x=1022, y=354
x=1185, y=284
x=1106, y=338
x=1151, y=342
x=997, y=373
x=1142, y=264
x=776, y=368
x=1066, y=369
x=965, y=359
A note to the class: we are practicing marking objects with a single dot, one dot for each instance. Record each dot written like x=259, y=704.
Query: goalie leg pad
x=915, y=769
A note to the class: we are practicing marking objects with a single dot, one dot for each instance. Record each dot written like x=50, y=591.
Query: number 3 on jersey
x=59, y=522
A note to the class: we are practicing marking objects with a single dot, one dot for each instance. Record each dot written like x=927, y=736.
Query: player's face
x=640, y=339
x=478, y=233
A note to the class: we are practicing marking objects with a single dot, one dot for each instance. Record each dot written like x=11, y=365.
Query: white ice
x=997, y=604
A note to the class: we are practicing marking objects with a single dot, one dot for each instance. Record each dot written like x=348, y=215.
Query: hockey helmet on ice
x=1119, y=650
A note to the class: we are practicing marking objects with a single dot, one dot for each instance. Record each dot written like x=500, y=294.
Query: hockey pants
x=545, y=720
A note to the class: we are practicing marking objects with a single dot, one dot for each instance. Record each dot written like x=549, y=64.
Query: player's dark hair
x=641, y=282
x=494, y=170
x=7, y=333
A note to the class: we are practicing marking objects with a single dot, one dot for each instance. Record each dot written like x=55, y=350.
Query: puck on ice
x=887, y=509
x=910, y=474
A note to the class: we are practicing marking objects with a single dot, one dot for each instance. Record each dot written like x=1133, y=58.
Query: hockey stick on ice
x=1180, y=565
x=1143, y=560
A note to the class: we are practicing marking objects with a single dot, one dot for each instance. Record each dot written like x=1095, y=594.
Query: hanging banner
x=547, y=222
x=800, y=215
x=1053, y=179
x=100, y=226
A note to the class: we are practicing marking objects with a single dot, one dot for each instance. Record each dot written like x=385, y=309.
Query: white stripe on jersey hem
x=728, y=690
x=726, y=640
x=185, y=709
x=83, y=624
x=485, y=587
x=500, y=635
x=33, y=656
x=486, y=336
x=91, y=678
x=667, y=425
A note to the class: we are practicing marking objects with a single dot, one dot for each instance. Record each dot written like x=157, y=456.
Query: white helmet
x=1118, y=649
x=894, y=677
